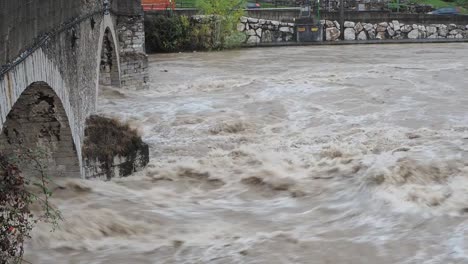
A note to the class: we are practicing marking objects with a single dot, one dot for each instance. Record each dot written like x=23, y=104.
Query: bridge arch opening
x=37, y=129
x=109, y=69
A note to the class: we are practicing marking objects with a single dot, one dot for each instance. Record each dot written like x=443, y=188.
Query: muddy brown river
x=330, y=154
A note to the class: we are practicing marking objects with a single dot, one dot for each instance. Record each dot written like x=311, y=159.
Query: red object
x=149, y=5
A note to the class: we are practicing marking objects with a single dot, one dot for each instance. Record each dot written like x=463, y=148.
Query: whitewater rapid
x=330, y=154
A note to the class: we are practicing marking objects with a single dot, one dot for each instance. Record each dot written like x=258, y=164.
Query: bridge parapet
x=23, y=22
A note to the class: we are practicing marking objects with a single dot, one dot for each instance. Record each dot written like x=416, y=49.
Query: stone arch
x=21, y=76
x=107, y=38
x=109, y=72
x=38, y=122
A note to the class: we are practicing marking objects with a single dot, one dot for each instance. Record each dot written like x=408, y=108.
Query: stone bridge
x=54, y=55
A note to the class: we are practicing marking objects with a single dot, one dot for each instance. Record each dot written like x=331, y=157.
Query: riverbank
x=200, y=33
x=355, y=42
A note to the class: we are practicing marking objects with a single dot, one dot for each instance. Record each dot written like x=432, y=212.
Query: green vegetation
x=17, y=195
x=215, y=29
x=176, y=33
x=226, y=14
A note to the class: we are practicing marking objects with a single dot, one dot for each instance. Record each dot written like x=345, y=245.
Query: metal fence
x=326, y=5
x=330, y=5
x=185, y=3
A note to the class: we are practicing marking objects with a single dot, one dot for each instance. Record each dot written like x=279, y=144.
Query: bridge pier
x=133, y=59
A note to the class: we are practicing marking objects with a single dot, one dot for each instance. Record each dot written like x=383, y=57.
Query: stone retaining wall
x=268, y=31
x=265, y=31
x=393, y=30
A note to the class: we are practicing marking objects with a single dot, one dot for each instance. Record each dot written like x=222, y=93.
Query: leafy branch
x=17, y=194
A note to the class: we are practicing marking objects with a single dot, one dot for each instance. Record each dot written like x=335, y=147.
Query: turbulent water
x=349, y=154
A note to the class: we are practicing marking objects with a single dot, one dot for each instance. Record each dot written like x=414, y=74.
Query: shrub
x=228, y=13
x=15, y=217
x=180, y=33
x=166, y=34
x=16, y=196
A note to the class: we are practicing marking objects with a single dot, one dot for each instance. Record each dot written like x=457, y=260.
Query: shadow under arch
x=109, y=66
x=38, y=123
